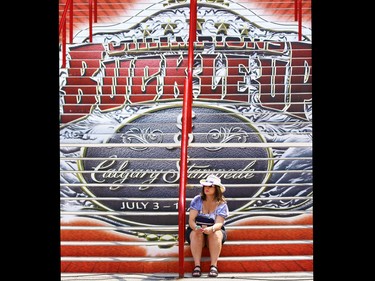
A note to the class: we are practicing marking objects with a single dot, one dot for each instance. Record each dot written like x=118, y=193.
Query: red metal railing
x=62, y=29
x=93, y=10
x=186, y=129
x=298, y=17
x=93, y=4
x=187, y=99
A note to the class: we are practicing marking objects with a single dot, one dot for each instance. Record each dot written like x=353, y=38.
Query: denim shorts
x=189, y=230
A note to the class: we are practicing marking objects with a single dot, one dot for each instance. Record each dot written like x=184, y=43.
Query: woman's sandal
x=197, y=271
x=213, y=271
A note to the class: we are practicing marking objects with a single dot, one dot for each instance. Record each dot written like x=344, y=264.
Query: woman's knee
x=196, y=236
x=215, y=238
x=219, y=237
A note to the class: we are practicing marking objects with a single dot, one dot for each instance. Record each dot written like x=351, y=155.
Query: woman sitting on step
x=207, y=214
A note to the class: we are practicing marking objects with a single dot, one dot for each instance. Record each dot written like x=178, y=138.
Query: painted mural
x=121, y=112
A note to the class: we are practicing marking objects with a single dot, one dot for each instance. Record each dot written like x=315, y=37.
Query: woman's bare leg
x=197, y=242
x=214, y=246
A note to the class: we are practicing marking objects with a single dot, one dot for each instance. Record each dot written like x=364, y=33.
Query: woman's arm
x=219, y=222
x=192, y=215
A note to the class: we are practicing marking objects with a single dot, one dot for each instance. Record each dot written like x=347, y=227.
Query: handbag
x=203, y=220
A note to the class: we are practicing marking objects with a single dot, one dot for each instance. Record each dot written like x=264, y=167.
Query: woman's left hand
x=207, y=230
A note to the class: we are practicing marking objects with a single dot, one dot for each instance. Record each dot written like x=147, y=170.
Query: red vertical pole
x=95, y=10
x=192, y=39
x=63, y=44
x=186, y=129
x=71, y=14
x=299, y=20
x=62, y=30
x=90, y=20
x=296, y=10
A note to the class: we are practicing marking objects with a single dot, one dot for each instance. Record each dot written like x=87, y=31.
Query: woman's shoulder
x=223, y=202
x=222, y=206
x=196, y=203
x=222, y=209
x=197, y=197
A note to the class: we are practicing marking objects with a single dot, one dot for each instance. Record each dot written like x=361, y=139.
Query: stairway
x=121, y=98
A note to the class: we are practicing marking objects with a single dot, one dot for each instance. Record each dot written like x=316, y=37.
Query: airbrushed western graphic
x=121, y=118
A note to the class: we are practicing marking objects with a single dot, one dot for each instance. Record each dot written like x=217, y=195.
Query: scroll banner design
x=259, y=76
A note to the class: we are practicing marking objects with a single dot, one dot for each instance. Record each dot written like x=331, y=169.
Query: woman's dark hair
x=218, y=194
